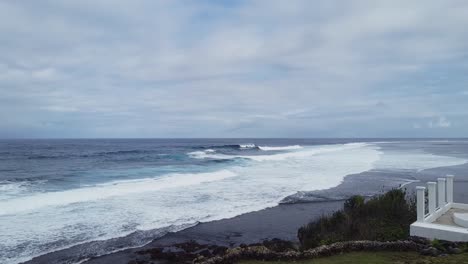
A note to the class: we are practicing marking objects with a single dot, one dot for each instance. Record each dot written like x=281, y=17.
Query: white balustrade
x=441, y=192
x=420, y=208
x=431, y=193
x=449, y=188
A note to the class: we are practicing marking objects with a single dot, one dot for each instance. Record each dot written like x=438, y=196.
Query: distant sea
x=55, y=194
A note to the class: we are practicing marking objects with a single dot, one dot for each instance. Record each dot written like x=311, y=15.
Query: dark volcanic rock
x=261, y=252
x=185, y=252
x=279, y=245
x=430, y=251
x=453, y=250
x=420, y=240
x=218, y=250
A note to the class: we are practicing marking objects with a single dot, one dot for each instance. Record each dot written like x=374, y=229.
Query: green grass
x=377, y=258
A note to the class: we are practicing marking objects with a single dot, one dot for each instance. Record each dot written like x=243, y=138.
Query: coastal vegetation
x=382, y=218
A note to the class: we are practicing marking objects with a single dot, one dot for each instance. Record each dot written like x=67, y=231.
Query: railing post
x=441, y=192
x=431, y=193
x=449, y=188
x=420, y=208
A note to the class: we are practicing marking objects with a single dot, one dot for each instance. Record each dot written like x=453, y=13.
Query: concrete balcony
x=443, y=218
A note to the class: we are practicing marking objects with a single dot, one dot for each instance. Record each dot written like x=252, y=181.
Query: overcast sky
x=233, y=68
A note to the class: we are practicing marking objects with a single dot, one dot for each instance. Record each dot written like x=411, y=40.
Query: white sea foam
x=267, y=148
x=397, y=160
x=306, y=152
x=282, y=156
x=208, y=155
x=247, y=146
x=103, y=191
x=11, y=189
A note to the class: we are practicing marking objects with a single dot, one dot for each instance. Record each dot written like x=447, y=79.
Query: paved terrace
x=447, y=218
x=442, y=218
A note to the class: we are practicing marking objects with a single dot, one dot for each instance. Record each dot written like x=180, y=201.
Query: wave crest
x=247, y=146
x=304, y=152
x=230, y=146
x=268, y=148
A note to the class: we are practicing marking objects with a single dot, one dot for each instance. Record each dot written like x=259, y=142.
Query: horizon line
x=75, y=138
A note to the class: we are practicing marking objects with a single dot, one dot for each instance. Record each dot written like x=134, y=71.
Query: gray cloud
x=247, y=68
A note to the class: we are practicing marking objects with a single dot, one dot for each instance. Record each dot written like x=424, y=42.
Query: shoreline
x=280, y=221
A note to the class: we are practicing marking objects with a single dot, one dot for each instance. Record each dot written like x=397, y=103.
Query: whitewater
x=195, y=184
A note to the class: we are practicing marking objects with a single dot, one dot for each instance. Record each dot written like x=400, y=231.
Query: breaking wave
x=267, y=148
x=108, y=190
x=298, y=153
x=232, y=146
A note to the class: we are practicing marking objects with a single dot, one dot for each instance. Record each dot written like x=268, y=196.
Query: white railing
x=420, y=206
x=432, y=194
x=441, y=201
x=444, y=196
x=449, y=188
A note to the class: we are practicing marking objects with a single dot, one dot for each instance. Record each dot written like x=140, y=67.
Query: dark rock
x=279, y=245
x=262, y=252
x=186, y=252
x=170, y=254
x=205, y=253
x=430, y=251
x=447, y=244
x=420, y=240
x=190, y=246
x=453, y=250
x=218, y=250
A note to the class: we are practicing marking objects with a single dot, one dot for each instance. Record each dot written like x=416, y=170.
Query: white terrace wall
x=440, y=200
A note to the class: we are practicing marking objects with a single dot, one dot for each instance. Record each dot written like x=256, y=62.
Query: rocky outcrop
x=183, y=252
x=276, y=249
x=263, y=253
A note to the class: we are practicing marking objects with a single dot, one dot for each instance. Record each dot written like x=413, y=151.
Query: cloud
x=441, y=122
x=45, y=74
x=416, y=126
x=243, y=68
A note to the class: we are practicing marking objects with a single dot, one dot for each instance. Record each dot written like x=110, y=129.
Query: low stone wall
x=263, y=253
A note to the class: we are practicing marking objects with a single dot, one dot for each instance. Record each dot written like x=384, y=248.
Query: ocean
x=55, y=194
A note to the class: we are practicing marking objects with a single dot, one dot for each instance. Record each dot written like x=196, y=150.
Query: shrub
x=383, y=218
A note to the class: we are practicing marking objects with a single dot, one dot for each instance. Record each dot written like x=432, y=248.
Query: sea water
x=55, y=194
